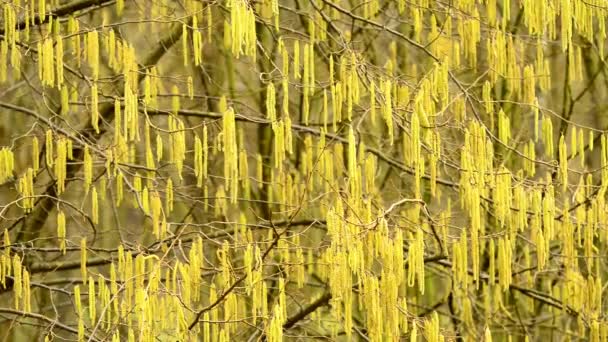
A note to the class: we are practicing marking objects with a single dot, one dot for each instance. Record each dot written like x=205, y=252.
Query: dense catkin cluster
x=26, y=190
x=230, y=149
x=232, y=170
x=7, y=164
x=241, y=33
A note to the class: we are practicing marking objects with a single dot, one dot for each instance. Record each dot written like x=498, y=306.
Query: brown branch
x=43, y=207
x=326, y=297
x=310, y=130
x=321, y=301
x=61, y=11
x=66, y=265
x=224, y=294
x=51, y=322
x=260, y=264
x=539, y=296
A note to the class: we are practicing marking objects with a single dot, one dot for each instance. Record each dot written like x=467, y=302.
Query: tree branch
x=43, y=207
x=61, y=11
x=51, y=322
x=321, y=301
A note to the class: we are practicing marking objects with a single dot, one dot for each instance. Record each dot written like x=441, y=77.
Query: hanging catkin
x=94, y=108
x=61, y=164
x=7, y=164
x=26, y=189
x=59, y=61
x=230, y=153
x=92, y=53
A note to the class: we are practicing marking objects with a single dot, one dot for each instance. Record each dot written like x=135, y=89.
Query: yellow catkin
x=414, y=334
x=504, y=262
x=145, y=197
x=16, y=62
x=504, y=127
x=158, y=217
x=7, y=164
x=74, y=41
x=61, y=164
x=178, y=143
x=83, y=260
x=119, y=188
x=148, y=88
x=259, y=174
x=547, y=136
x=209, y=16
x=148, y=152
x=159, y=147
x=35, y=154
x=65, y=100
x=27, y=297
x=296, y=60
x=26, y=189
x=7, y=243
x=336, y=97
x=185, y=55
x=94, y=108
x=4, y=65
x=88, y=167
x=59, y=61
x=352, y=163
x=197, y=42
x=61, y=231
x=372, y=102
x=137, y=186
x=48, y=67
x=230, y=154
x=169, y=196
x=198, y=161
x=227, y=36
x=9, y=24
x=387, y=112
x=205, y=152
x=573, y=144
x=492, y=267
x=70, y=149
x=94, y=206
x=120, y=6
x=92, y=53
x=581, y=147
x=17, y=281
x=244, y=174
x=92, y=304
x=306, y=85
x=118, y=122
x=49, y=148
x=78, y=301
x=487, y=335
x=271, y=103
x=190, y=84
x=563, y=162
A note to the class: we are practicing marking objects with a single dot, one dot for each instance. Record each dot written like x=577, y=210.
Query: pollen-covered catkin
x=92, y=53
x=83, y=260
x=338, y=169
x=61, y=164
x=7, y=164
x=61, y=230
x=26, y=189
x=49, y=148
x=94, y=205
x=94, y=108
